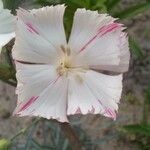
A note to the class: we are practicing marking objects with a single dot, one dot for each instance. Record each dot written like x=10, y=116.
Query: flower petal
x=31, y=47
x=86, y=25
x=7, y=26
x=40, y=34
x=96, y=39
x=32, y=79
x=41, y=92
x=124, y=58
x=107, y=89
x=52, y=103
x=98, y=93
x=81, y=99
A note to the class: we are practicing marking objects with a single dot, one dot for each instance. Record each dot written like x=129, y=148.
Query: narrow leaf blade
x=135, y=48
x=133, y=11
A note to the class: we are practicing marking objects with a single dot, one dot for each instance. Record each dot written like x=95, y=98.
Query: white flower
x=7, y=26
x=57, y=78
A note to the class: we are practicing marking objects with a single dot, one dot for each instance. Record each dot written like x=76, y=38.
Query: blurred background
x=131, y=130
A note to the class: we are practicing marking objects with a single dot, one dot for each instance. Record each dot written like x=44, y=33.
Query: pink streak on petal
x=33, y=99
x=31, y=28
x=28, y=103
x=100, y=102
x=102, y=31
x=90, y=41
x=111, y=113
x=78, y=111
x=92, y=110
x=53, y=82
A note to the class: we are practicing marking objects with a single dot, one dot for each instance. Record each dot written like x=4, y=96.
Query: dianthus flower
x=57, y=78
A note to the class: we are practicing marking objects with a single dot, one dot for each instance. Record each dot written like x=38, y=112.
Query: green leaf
x=133, y=11
x=82, y=3
x=147, y=96
x=5, y=72
x=135, y=48
x=100, y=6
x=138, y=129
x=31, y=129
x=41, y=147
x=146, y=106
x=11, y=4
x=48, y=2
x=65, y=145
x=111, y=4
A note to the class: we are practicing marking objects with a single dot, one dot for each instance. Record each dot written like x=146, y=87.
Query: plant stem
x=71, y=136
x=23, y=131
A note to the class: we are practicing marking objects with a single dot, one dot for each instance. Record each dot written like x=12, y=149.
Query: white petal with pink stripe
x=56, y=78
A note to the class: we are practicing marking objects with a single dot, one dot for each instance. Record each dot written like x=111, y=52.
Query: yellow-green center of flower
x=65, y=63
x=66, y=66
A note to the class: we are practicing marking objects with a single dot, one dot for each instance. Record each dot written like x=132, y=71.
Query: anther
x=66, y=50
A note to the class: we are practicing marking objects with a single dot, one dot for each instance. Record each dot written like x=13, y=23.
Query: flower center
x=66, y=66
x=65, y=62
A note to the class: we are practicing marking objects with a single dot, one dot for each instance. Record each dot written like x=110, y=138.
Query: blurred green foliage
x=111, y=4
x=11, y=4
x=146, y=106
x=4, y=144
x=138, y=129
x=140, y=133
x=56, y=141
x=135, y=48
x=133, y=11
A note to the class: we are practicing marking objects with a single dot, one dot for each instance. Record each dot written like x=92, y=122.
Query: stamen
x=68, y=51
x=63, y=48
x=65, y=65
